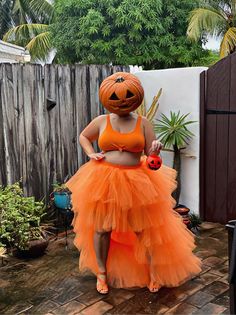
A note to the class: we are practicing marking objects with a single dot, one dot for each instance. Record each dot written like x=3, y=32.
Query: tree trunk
x=177, y=167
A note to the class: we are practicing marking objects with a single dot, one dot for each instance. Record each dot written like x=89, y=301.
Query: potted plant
x=174, y=133
x=195, y=222
x=20, y=222
x=62, y=196
x=62, y=201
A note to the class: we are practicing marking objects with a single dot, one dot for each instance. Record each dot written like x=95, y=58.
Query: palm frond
x=21, y=11
x=154, y=106
x=40, y=46
x=5, y=16
x=232, y=6
x=23, y=34
x=228, y=43
x=141, y=110
x=33, y=11
x=206, y=20
x=42, y=9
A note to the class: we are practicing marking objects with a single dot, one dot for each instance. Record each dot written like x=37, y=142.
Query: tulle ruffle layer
x=134, y=203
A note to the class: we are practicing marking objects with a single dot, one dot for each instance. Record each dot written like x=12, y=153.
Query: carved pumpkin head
x=121, y=93
x=154, y=162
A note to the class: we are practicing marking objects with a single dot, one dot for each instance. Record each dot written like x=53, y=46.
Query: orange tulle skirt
x=134, y=203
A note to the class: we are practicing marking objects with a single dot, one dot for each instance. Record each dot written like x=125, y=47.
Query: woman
x=125, y=227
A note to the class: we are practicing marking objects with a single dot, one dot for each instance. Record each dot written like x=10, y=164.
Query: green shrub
x=20, y=217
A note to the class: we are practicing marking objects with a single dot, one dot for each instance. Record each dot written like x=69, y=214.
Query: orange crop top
x=112, y=140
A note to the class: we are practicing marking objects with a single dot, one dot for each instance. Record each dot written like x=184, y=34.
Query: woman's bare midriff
x=123, y=158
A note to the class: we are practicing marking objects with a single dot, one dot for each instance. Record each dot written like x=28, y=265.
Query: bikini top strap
x=108, y=121
x=139, y=120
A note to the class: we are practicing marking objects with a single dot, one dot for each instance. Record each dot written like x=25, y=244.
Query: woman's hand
x=96, y=156
x=156, y=146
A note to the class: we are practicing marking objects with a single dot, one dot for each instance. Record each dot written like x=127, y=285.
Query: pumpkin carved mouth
x=124, y=106
x=121, y=107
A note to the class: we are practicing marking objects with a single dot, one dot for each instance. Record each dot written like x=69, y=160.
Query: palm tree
x=27, y=24
x=173, y=133
x=218, y=19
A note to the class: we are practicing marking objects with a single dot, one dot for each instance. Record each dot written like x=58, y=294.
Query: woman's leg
x=154, y=286
x=101, y=246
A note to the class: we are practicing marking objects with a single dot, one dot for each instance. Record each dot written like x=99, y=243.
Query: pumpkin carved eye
x=129, y=94
x=114, y=97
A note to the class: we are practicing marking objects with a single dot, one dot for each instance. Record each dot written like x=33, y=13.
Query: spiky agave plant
x=173, y=133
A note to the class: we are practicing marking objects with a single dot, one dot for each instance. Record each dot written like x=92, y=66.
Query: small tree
x=173, y=133
x=151, y=33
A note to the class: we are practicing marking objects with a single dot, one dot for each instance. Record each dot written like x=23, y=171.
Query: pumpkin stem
x=120, y=79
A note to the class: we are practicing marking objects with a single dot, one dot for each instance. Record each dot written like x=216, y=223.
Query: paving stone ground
x=52, y=284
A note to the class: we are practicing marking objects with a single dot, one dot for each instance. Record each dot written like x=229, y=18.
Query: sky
x=213, y=44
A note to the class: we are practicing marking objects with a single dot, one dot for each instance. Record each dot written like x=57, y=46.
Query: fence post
x=232, y=256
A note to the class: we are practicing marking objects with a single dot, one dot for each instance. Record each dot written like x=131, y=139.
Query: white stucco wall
x=12, y=53
x=180, y=91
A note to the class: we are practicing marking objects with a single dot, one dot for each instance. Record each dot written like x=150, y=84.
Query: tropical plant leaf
x=21, y=10
x=39, y=46
x=228, y=43
x=35, y=37
x=233, y=7
x=208, y=20
x=30, y=20
x=154, y=106
x=33, y=11
x=42, y=9
x=141, y=110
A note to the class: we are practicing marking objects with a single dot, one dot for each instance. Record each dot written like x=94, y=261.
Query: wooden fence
x=42, y=112
x=218, y=134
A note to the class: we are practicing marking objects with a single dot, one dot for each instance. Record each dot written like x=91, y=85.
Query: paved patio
x=52, y=284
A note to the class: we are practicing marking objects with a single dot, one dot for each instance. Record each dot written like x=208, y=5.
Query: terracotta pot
x=181, y=209
x=184, y=212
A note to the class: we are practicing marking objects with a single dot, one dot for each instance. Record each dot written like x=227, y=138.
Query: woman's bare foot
x=102, y=287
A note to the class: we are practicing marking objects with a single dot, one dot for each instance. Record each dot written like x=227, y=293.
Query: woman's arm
x=151, y=143
x=90, y=134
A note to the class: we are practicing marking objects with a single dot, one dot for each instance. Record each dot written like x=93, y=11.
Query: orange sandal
x=154, y=287
x=102, y=287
